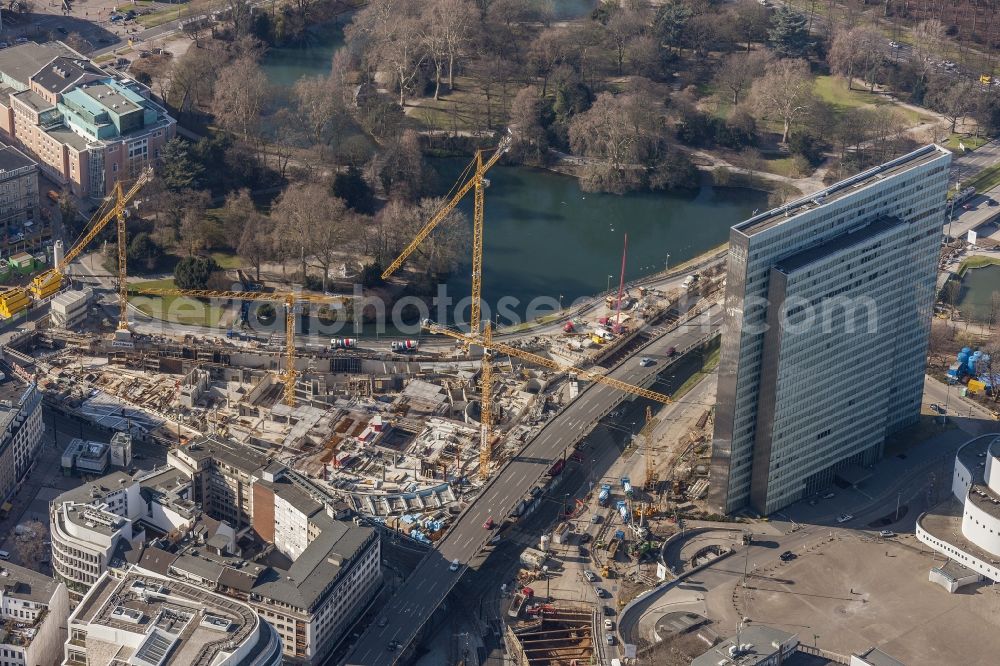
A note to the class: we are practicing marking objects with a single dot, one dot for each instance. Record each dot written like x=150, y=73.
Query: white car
x=844, y=517
x=886, y=534
x=454, y=565
x=609, y=625
x=645, y=361
x=893, y=45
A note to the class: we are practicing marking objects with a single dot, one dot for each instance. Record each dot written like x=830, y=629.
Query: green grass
x=969, y=141
x=833, y=90
x=985, y=180
x=972, y=263
x=784, y=166
x=461, y=109
x=177, y=309
x=158, y=18
x=227, y=260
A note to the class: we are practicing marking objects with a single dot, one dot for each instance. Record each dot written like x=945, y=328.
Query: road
x=417, y=599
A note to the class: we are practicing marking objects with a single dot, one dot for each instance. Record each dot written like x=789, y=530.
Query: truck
x=404, y=346
x=690, y=281
x=343, y=343
x=604, y=495
x=627, y=486
x=533, y=558
x=623, y=510
x=557, y=468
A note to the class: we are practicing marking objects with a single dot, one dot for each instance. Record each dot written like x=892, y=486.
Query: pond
x=544, y=237
x=975, y=298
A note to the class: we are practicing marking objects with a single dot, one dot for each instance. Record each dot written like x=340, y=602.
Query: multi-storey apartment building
x=33, y=611
x=21, y=429
x=815, y=289
x=21, y=225
x=87, y=128
x=93, y=526
x=135, y=617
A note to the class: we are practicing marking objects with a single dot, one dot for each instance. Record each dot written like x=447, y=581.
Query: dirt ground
x=850, y=594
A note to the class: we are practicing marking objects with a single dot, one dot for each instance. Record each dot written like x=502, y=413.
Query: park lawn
x=783, y=166
x=976, y=262
x=177, y=309
x=154, y=19
x=460, y=109
x=969, y=141
x=227, y=260
x=833, y=90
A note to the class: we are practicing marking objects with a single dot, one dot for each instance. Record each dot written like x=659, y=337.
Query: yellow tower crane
x=478, y=182
x=292, y=301
x=49, y=282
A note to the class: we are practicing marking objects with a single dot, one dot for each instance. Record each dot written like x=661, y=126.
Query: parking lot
x=854, y=592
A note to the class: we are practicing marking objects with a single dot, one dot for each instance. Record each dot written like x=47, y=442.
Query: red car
x=488, y=525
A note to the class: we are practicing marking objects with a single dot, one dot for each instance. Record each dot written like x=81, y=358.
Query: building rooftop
x=844, y=241
x=763, y=642
x=240, y=456
x=68, y=137
x=95, y=491
x=36, y=102
x=65, y=72
x=776, y=216
x=176, y=623
x=944, y=522
x=875, y=657
x=109, y=97
x=19, y=63
x=22, y=583
x=309, y=577
x=11, y=159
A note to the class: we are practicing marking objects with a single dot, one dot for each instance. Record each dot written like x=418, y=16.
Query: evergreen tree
x=177, y=169
x=194, y=272
x=354, y=190
x=789, y=34
x=670, y=23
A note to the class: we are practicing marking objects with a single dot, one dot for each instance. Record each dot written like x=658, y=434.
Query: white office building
x=822, y=293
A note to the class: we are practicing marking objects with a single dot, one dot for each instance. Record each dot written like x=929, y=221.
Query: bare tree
x=445, y=31
x=625, y=134
x=321, y=105
x=333, y=235
x=240, y=95
x=953, y=101
x=625, y=23
x=858, y=50
x=30, y=544
x=784, y=93
x=255, y=245
x=738, y=71
x=752, y=162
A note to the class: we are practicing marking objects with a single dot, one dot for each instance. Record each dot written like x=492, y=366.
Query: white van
x=4, y=555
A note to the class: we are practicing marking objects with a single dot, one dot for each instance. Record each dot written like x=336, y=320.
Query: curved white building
x=966, y=526
x=148, y=620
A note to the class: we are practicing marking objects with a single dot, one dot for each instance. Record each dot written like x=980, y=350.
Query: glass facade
x=795, y=402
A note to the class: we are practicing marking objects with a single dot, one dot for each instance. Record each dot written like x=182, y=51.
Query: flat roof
x=34, y=100
x=944, y=522
x=22, y=61
x=23, y=583
x=776, y=216
x=68, y=137
x=759, y=637
x=11, y=158
x=836, y=244
x=876, y=657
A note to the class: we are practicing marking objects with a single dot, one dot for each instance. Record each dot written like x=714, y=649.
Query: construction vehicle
x=604, y=495
x=292, y=300
x=624, y=510
x=627, y=486
x=343, y=343
x=405, y=346
x=520, y=599
x=18, y=299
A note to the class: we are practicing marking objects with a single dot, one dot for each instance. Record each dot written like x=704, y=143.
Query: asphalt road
x=416, y=600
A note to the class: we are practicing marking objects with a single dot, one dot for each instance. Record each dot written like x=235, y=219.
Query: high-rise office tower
x=824, y=341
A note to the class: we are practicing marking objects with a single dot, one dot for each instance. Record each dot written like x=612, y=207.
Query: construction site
x=403, y=429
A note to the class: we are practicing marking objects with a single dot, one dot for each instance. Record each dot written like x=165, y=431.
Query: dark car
x=488, y=525
x=62, y=31
x=787, y=556
x=582, y=551
x=608, y=610
x=671, y=351
x=992, y=202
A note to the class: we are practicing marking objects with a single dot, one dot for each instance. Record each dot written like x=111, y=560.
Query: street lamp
x=666, y=264
x=608, y=288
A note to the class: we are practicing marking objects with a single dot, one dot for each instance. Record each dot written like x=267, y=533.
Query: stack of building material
x=70, y=307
